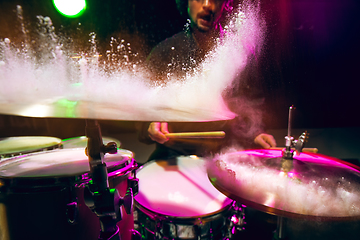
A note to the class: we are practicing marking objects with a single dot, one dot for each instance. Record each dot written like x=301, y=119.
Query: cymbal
x=309, y=186
x=64, y=108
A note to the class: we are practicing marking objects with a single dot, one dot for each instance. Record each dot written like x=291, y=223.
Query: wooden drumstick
x=215, y=134
x=311, y=150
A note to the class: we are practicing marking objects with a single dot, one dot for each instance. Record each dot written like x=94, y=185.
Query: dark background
x=310, y=60
x=310, y=57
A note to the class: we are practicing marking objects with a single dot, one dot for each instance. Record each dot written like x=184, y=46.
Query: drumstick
x=215, y=134
x=311, y=150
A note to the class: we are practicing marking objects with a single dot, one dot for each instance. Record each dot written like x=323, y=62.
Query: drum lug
x=158, y=227
x=110, y=147
x=72, y=212
x=133, y=183
x=236, y=220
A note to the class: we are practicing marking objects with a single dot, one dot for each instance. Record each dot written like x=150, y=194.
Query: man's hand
x=265, y=140
x=157, y=132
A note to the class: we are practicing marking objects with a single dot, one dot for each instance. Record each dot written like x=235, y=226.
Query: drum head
x=58, y=163
x=179, y=188
x=26, y=144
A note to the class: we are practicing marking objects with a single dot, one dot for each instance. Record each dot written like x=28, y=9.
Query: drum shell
x=150, y=223
x=38, y=209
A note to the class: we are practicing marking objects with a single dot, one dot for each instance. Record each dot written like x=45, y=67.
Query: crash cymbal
x=310, y=185
x=104, y=111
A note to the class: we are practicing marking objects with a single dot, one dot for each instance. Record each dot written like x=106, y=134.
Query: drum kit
x=89, y=188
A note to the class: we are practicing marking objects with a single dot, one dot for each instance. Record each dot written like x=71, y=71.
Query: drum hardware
x=158, y=226
x=133, y=183
x=102, y=200
x=290, y=142
x=236, y=221
x=72, y=209
x=292, y=185
x=72, y=212
x=152, y=224
x=44, y=193
x=287, y=165
x=279, y=232
x=293, y=147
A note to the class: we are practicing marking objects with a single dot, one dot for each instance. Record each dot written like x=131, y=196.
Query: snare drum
x=13, y=146
x=41, y=195
x=81, y=142
x=177, y=201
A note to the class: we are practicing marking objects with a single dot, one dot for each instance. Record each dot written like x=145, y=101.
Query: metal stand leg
x=279, y=233
x=102, y=200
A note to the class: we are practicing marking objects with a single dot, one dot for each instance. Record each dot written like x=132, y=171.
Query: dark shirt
x=175, y=56
x=180, y=55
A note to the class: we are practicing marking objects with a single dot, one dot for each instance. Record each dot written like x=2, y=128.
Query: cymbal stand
x=287, y=152
x=279, y=233
x=290, y=143
x=102, y=200
x=287, y=165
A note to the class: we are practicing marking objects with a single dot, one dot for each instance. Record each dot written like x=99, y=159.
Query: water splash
x=47, y=71
x=315, y=192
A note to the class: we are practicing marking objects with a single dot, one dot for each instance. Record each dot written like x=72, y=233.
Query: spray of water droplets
x=47, y=69
x=312, y=193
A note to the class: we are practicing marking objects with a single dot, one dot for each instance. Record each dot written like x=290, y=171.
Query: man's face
x=204, y=14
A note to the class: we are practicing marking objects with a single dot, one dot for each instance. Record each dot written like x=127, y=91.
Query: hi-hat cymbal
x=309, y=186
x=103, y=111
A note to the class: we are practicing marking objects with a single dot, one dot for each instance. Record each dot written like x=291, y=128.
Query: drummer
x=188, y=48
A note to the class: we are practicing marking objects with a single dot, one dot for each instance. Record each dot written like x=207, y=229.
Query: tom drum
x=41, y=195
x=14, y=146
x=177, y=201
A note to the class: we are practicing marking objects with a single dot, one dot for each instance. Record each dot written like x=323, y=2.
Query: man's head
x=204, y=14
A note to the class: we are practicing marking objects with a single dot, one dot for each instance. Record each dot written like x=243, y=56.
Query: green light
x=66, y=108
x=70, y=8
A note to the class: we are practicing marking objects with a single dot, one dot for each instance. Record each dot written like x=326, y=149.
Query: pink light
x=234, y=219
